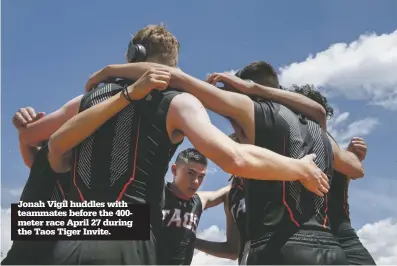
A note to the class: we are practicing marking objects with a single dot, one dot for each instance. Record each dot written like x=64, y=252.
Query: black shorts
x=101, y=252
x=303, y=248
x=356, y=253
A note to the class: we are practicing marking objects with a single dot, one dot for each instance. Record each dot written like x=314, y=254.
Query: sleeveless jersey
x=128, y=156
x=180, y=221
x=273, y=206
x=237, y=209
x=338, y=200
x=43, y=183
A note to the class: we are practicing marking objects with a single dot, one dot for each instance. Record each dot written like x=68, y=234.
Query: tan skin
x=186, y=117
x=22, y=118
x=231, y=247
x=188, y=178
x=237, y=107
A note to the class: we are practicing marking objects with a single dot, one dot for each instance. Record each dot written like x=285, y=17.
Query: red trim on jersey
x=60, y=188
x=134, y=170
x=291, y=215
x=326, y=211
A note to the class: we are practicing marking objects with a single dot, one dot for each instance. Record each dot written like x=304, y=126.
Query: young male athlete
x=293, y=222
x=233, y=247
x=184, y=205
x=102, y=168
x=284, y=207
x=339, y=213
x=42, y=184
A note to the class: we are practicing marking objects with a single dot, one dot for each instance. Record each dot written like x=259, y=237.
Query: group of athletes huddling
x=287, y=198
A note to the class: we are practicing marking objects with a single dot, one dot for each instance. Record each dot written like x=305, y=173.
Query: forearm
x=218, y=249
x=129, y=71
x=258, y=163
x=345, y=161
x=212, y=98
x=294, y=101
x=28, y=153
x=214, y=198
x=34, y=133
x=219, y=101
x=84, y=124
x=351, y=165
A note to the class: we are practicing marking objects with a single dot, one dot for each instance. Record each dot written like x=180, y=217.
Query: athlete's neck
x=177, y=192
x=157, y=60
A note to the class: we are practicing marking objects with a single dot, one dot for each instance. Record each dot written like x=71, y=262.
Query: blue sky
x=50, y=48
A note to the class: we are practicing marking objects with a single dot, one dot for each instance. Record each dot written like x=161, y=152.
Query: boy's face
x=188, y=177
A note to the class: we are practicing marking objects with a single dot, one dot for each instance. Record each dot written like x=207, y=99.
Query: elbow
x=232, y=255
x=234, y=162
x=232, y=252
x=358, y=173
x=55, y=150
x=28, y=162
x=322, y=116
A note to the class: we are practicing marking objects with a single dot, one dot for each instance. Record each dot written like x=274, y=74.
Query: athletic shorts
x=303, y=248
x=356, y=253
x=111, y=252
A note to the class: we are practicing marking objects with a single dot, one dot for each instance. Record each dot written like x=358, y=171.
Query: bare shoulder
x=185, y=101
x=183, y=106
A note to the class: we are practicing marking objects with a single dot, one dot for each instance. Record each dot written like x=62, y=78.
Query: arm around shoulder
x=187, y=114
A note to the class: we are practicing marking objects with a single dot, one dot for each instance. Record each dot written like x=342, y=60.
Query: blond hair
x=160, y=44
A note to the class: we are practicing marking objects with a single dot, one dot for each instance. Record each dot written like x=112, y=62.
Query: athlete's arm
x=211, y=199
x=28, y=153
x=359, y=148
x=235, y=106
x=42, y=129
x=188, y=116
x=20, y=120
x=230, y=248
x=345, y=161
x=294, y=101
x=87, y=122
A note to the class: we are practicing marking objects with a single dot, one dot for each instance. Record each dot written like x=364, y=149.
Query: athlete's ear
x=173, y=170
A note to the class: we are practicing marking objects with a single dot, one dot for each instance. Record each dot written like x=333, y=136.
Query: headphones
x=136, y=53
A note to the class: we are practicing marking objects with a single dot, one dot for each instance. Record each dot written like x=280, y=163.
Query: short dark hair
x=260, y=72
x=191, y=155
x=312, y=92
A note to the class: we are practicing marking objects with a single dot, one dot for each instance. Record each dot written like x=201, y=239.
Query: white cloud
x=379, y=238
x=343, y=130
x=211, y=170
x=16, y=192
x=232, y=71
x=213, y=233
x=362, y=70
x=5, y=230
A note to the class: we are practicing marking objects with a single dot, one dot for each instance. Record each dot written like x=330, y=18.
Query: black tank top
x=43, y=183
x=180, y=221
x=274, y=206
x=128, y=156
x=338, y=200
x=237, y=209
